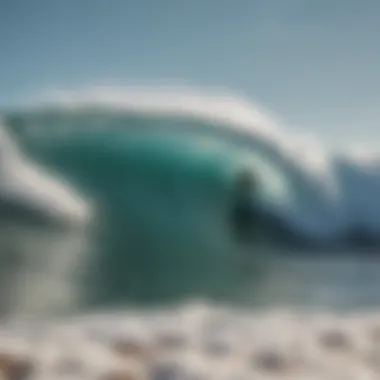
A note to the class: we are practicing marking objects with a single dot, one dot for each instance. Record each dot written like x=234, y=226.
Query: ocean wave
x=177, y=181
x=319, y=193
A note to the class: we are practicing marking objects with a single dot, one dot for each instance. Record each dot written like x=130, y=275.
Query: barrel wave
x=180, y=184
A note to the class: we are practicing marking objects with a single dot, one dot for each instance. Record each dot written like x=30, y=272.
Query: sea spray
x=43, y=224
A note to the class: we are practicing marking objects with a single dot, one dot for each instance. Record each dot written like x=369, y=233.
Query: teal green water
x=164, y=223
x=164, y=229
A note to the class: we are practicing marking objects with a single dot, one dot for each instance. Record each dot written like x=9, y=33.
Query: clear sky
x=314, y=63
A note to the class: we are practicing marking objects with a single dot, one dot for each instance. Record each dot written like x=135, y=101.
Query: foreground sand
x=194, y=342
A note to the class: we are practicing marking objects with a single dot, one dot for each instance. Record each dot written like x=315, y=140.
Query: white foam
x=39, y=267
x=28, y=185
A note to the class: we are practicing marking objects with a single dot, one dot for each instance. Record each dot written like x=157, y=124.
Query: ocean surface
x=170, y=196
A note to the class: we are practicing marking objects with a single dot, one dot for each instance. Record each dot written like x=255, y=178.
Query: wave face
x=164, y=172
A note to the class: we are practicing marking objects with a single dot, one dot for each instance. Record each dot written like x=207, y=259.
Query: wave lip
x=30, y=194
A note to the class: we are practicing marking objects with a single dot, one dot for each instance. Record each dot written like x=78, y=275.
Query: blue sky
x=313, y=63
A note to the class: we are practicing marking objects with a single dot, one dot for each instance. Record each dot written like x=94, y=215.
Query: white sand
x=194, y=342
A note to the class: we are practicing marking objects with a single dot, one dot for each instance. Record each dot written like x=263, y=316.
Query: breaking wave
x=176, y=171
x=319, y=193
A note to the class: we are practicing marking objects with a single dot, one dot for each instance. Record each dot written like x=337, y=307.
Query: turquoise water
x=164, y=226
x=164, y=211
x=182, y=209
